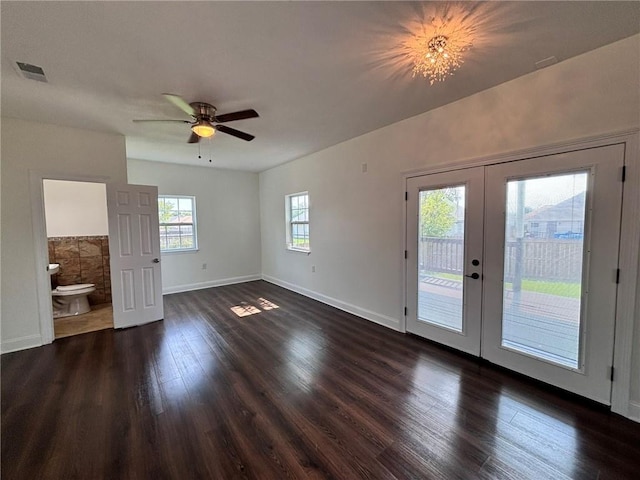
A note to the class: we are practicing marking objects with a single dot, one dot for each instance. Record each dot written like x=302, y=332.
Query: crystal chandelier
x=438, y=57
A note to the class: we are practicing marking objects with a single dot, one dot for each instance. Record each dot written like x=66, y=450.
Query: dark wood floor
x=298, y=391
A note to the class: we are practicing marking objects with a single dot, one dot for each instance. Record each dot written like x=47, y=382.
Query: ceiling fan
x=204, y=121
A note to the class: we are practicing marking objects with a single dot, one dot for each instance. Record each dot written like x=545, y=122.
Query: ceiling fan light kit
x=203, y=129
x=205, y=121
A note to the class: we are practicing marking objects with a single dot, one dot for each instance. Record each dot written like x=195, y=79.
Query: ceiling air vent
x=546, y=62
x=31, y=72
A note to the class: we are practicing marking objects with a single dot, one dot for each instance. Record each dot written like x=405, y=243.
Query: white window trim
x=288, y=223
x=194, y=222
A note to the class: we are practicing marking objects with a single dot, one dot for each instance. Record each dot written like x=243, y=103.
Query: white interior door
x=444, y=257
x=134, y=249
x=551, y=255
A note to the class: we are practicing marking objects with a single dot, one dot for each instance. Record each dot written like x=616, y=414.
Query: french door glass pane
x=544, y=251
x=441, y=256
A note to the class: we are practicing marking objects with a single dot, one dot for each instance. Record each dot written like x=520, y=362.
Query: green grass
x=561, y=289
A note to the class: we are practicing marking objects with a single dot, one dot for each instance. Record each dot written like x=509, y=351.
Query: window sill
x=183, y=250
x=298, y=250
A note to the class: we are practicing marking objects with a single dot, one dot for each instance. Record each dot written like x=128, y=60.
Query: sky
x=548, y=190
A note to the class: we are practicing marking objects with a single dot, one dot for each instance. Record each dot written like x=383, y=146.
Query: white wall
x=356, y=218
x=75, y=208
x=228, y=223
x=45, y=148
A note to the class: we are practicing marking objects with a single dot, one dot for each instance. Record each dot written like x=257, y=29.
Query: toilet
x=71, y=300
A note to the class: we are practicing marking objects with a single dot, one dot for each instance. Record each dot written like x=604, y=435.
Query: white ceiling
x=318, y=73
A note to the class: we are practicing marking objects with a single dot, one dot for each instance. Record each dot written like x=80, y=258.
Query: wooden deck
x=543, y=325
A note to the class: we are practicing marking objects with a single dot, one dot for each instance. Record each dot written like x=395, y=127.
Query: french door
x=516, y=263
x=444, y=257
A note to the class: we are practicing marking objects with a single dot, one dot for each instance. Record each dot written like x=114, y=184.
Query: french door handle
x=474, y=275
x=156, y=260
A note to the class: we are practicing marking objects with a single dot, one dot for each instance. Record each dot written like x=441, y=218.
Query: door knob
x=156, y=260
x=474, y=275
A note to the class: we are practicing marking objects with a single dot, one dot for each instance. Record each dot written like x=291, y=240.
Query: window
x=297, y=212
x=177, y=223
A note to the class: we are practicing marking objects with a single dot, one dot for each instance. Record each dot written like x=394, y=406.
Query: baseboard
x=634, y=411
x=21, y=343
x=212, y=283
x=389, y=322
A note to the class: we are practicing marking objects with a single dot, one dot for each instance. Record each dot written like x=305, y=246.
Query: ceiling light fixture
x=203, y=128
x=436, y=45
x=438, y=57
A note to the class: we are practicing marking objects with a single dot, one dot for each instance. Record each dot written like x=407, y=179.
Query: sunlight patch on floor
x=266, y=304
x=245, y=309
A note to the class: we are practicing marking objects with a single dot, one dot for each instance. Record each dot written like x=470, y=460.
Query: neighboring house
x=562, y=220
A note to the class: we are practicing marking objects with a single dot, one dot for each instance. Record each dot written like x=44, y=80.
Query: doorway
x=516, y=262
x=134, y=251
x=78, y=256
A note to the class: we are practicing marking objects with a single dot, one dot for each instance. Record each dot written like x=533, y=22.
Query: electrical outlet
x=313, y=269
x=204, y=266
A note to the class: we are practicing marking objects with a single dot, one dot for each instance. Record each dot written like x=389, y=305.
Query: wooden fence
x=548, y=259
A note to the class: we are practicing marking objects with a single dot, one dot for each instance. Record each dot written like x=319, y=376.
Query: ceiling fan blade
x=194, y=138
x=234, y=132
x=170, y=121
x=179, y=102
x=241, y=115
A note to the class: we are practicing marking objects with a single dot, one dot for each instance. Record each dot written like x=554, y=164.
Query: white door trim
x=38, y=220
x=629, y=244
x=623, y=136
x=629, y=261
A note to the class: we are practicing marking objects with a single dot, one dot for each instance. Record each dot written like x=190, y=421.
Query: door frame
x=43, y=284
x=629, y=253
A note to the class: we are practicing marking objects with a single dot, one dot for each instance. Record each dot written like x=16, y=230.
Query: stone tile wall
x=83, y=260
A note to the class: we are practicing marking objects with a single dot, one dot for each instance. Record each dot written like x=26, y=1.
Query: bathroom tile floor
x=99, y=318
